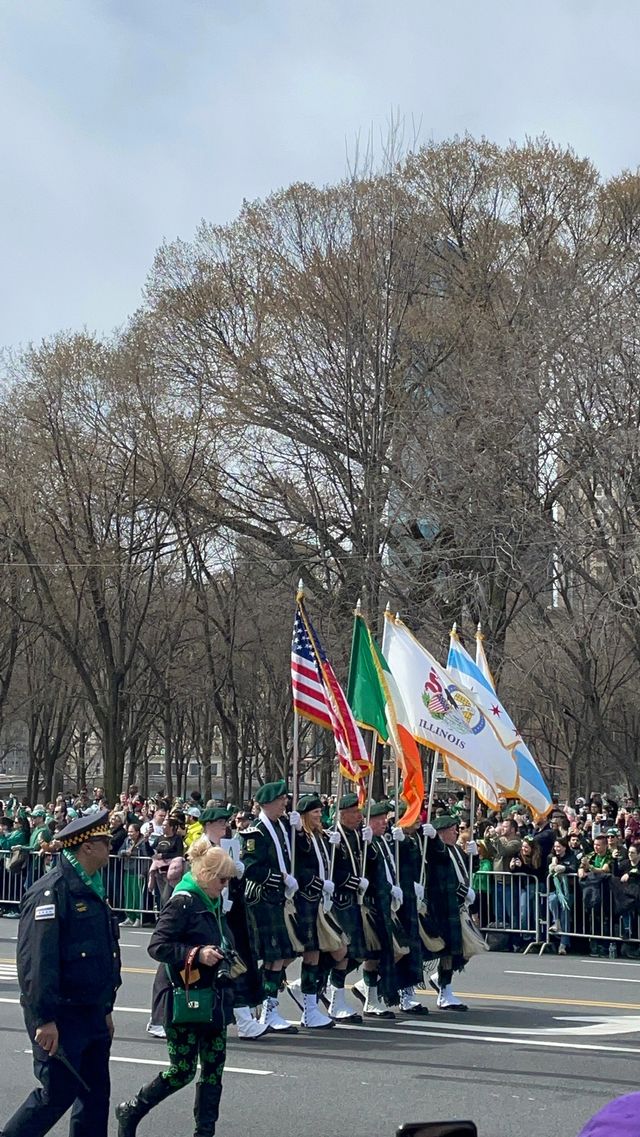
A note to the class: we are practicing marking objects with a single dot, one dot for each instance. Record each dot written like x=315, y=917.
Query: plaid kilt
x=307, y=921
x=269, y=931
x=349, y=917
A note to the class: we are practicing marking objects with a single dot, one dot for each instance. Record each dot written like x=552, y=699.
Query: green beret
x=215, y=814
x=380, y=809
x=347, y=801
x=444, y=822
x=270, y=791
x=308, y=802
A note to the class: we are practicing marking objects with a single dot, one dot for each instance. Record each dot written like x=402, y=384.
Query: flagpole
x=372, y=754
x=432, y=794
x=336, y=817
x=296, y=752
x=432, y=786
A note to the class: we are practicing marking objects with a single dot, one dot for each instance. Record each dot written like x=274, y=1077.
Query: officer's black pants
x=86, y=1043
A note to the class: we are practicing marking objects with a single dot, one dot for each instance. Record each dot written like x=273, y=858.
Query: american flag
x=318, y=696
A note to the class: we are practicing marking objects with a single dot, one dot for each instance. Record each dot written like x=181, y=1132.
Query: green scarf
x=190, y=884
x=95, y=882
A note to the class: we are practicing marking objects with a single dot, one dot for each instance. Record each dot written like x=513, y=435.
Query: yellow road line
x=540, y=1000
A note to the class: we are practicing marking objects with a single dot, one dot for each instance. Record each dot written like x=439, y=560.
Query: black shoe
x=420, y=1011
x=379, y=1015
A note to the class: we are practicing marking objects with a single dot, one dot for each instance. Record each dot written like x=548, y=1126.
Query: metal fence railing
x=511, y=905
x=126, y=883
x=518, y=910
x=513, y=909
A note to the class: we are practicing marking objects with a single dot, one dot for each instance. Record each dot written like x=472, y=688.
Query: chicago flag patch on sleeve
x=45, y=912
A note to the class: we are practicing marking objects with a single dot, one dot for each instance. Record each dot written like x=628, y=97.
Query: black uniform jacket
x=185, y=923
x=68, y=954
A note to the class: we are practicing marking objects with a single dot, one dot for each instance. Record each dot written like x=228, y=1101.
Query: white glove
x=470, y=895
x=396, y=893
x=367, y=834
x=428, y=829
x=295, y=820
x=227, y=904
x=472, y=848
x=419, y=890
x=290, y=884
x=334, y=837
x=397, y=833
x=328, y=887
x=239, y=869
x=364, y=884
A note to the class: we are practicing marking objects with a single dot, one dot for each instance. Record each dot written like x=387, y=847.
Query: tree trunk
x=168, y=753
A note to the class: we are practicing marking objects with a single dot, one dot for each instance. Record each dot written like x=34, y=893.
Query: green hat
x=215, y=814
x=444, y=822
x=613, y=832
x=308, y=802
x=270, y=791
x=380, y=809
x=347, y=801
x=71, y=813
x=402, y=808
x=38, y=811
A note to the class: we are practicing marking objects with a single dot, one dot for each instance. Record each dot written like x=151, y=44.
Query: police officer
x=69, y=971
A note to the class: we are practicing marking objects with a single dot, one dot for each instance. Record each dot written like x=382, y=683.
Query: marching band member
x=269, y=883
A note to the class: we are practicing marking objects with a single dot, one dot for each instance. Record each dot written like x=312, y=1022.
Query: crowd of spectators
x=574, y=874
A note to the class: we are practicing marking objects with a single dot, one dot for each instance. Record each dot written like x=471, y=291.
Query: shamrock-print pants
x=188, y=1043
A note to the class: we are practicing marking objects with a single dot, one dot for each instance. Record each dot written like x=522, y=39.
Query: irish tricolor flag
x=377, y=705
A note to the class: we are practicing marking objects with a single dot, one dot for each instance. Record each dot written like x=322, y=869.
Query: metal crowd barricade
x=598, y=924
x=513, y=905
x=125, y=880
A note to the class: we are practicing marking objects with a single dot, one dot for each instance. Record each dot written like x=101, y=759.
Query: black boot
x=207, y=1108
x=129, y=1113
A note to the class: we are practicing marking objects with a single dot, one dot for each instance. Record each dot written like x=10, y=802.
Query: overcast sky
x=127, y=121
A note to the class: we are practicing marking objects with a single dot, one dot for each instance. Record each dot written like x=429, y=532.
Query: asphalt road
x=545, y=1043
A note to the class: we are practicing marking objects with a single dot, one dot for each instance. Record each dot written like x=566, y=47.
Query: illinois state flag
x=445, y=716
x=377, y=705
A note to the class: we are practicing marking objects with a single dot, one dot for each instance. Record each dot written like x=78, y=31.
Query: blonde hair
x=209, y=861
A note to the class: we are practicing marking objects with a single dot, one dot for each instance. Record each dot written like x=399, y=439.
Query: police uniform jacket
x=68, y=954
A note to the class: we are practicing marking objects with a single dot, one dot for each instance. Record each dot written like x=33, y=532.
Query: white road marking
x=603, y=1024
x=447, y=1030
x=156, y=1062
x=565, y=975
x=510, y=1041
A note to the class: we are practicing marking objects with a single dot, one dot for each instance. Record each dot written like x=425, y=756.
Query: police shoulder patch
x=45, y=912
